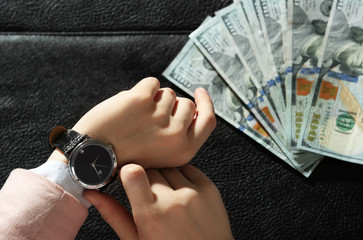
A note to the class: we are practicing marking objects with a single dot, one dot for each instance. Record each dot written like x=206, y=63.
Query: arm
x=146, y=125
x=32, y=207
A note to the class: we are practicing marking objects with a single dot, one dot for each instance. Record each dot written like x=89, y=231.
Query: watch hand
x=94, y=167
x=94, y=162
x=101, y=165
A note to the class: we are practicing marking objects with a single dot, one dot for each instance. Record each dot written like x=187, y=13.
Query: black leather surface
x=49, y=79
x=110, y=15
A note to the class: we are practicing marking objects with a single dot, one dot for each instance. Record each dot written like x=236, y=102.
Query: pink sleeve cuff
x=32, y=207
x=58, y=172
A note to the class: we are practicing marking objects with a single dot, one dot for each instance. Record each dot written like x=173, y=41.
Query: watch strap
x=65, y=139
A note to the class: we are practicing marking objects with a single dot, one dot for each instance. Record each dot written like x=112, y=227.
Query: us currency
x=270, y=17
x=249, y=12
x=308, y=25
x=335, y=128
x=213, y=41
x=286, y=41
x=190, y=70
x=284, y=33
x=241, y=34
x=311, y=160
x=286, y=10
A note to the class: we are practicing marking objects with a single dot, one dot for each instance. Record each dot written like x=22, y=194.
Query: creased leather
x=110, y=15
x=48, y=80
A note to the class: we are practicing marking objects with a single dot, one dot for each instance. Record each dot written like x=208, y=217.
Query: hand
x=149, y=126
x=166, y=204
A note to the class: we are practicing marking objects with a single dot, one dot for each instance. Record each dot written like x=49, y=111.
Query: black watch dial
x=92, y=164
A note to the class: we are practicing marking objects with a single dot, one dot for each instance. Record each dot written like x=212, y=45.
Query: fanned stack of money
x=287, y=73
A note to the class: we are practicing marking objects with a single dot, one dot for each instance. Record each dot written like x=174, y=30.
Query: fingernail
x=201, y=90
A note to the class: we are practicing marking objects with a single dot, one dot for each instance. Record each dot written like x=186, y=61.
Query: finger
x=136, y=185
x=148, y=86
x=157, y=182
x=175, y=179
x=205, y=121
x=165, y=99
x=184, y=110
x=113, y=213
x=194, y=175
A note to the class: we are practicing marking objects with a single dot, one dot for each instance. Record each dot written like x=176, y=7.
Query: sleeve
x=33, y=207
x=58, y=172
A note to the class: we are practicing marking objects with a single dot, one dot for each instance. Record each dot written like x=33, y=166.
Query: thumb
x=113, y=213
x=205, y=122
x=136, y=184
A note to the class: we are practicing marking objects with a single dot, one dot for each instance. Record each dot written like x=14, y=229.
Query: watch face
x=92, y=164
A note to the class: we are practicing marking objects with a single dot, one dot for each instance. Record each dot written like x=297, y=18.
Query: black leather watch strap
x=65, y=139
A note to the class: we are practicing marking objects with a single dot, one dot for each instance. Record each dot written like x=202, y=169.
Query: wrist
x=119, y=148
x=92, y=163
x=58, y=156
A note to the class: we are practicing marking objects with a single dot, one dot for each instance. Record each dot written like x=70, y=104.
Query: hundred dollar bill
x=242, y=36
x=286, y=10
x=284, y=33
x=280, y=7
x=240, y=32
x=269, y=13
x=190, y=69
x=308, y=24
x=286, y=38
x=248, y=11
x=213, y=41
x=335, y=123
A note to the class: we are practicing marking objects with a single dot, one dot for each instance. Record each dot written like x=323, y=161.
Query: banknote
x=308, y=24
x=286, y=14
x=286, y=38
x=190, y=70
x=335, y=123
x=270, y=17
x=241, y=33
x=213, y=40
x=239, y=30
x=250, y=10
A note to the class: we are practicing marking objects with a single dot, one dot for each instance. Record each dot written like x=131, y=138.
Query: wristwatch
x=92, y=163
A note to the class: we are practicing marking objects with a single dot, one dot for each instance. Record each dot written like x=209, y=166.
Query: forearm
x=33, y=207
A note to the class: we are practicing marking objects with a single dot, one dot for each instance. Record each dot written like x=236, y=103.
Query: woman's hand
x=149, y=125
x=166, y=204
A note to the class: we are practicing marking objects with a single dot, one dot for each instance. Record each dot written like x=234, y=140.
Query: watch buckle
x=55, y=134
